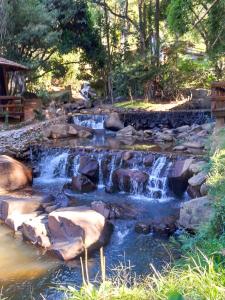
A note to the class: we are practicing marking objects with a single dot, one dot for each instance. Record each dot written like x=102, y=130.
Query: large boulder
x=73, y=229
x=13, y=174
x=59, y=131
x=128, y=179
x=14, y=206
x=195, y=213
x=113, y=122
x=89, y=167
x=82, y=184
x=35, y=230
x=179, y=175
x=127, y=131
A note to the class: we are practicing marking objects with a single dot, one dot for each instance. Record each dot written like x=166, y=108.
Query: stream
x=26, y=272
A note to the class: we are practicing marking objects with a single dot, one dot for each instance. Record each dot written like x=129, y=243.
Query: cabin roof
x=11, y=65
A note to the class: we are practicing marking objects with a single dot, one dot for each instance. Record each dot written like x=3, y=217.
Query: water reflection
x=20, y=261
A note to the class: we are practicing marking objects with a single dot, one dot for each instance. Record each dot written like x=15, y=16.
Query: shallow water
x=29, y=273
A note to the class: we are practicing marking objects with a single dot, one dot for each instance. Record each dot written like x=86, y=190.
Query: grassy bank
x=200, y=275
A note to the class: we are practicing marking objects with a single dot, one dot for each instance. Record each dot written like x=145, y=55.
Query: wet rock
x=195, y=213
x=194, y=145
x=51, y=208
x=125, y=179
x=127, y=155
x=183, y=128
x=113, y=122
x=84, y=134
x=89, y=167
x=149, y=160
x=59, y=131
x=72, y=131
x=127, y=131
x=13, y=174
x=82, y=184
x=204, y=189
x=12, y=205
x=35, y=230
x=73, y=229
x=114, y=211
x=194, y=192
x=164, y=225
x=142, y=227
x=164, y=137
x=198, y=179
x=179, y=175
x=101, y=208
x=196, y=167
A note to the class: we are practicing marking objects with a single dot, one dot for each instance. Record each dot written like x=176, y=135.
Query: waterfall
x=157, y=183
x=53, y=165
x=91, y=121
x=100, y=183
x=58, y=164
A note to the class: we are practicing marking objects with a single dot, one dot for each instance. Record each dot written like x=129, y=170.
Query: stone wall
x=172, y=119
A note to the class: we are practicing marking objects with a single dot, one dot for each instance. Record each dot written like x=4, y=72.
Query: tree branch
x=126, y=17
x=206, y=12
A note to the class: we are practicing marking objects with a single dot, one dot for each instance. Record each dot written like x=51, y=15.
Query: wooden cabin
x=218, y=103
x=11, y=106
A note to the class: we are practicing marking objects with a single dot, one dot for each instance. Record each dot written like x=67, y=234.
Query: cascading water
x=55, y=165
x=92, y=121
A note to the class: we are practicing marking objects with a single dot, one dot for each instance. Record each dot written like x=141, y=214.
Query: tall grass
x=193, y=281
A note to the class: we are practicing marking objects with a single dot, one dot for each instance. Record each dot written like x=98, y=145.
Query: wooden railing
x=11, y=107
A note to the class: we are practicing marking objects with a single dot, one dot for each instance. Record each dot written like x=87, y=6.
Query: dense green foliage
x=117, y=45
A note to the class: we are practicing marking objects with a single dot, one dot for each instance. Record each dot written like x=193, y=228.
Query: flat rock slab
x=15, y=220
x=11, y=205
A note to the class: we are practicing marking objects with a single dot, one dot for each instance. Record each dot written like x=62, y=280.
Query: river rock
x=204, y=189
x=149, y=160
x=183, y=128
x=73, y=229
x=127, y=131
x=127, y=155
x=35, y=230
x=179, y=148
x=89, y=167
x=198, y=179
x=123, y=178
x=195, y=213
x=114, y=211
x=113, y=122
x=196, y=167
x=85, y=134
x=13, y=174
x=142, y=227
x=164, y=137
x=59, y=131
x=179, y=175
x=194, y=145
x=12, y=205
x=82, y=184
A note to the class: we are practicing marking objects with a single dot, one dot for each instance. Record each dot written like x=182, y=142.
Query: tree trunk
x=157, y=37
x=109, y=60
x=141, y=26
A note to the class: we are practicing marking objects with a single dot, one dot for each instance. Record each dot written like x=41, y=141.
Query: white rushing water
x=55, y=166
x=91, y=121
